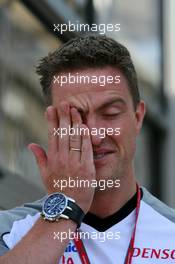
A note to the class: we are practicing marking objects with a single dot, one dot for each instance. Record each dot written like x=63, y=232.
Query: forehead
x=92, y=94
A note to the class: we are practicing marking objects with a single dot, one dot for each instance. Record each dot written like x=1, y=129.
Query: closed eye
x=112, y=114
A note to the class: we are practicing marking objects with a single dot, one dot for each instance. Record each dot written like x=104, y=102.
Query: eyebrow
x=112, y=101
x=106, y=104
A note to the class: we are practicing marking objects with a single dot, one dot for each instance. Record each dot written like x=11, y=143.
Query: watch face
x=55, y=204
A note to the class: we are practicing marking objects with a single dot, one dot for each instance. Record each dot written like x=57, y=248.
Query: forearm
x=39, y=245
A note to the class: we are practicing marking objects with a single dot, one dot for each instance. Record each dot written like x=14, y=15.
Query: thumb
x=40, y=156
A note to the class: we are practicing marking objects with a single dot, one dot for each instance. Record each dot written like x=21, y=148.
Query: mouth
x=99, y=156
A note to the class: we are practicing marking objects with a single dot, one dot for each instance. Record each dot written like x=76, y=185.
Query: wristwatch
x=58, y=205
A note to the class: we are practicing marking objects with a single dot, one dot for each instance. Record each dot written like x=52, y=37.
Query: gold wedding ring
x=75, y=149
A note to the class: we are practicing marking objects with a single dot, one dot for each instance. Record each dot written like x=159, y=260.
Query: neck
x=108, y=202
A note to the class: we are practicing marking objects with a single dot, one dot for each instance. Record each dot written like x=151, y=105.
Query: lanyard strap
x=82, y=251
x=129, y=254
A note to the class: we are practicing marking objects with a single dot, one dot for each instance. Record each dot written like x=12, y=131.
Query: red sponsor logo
x=66, y=260
x=154, y=253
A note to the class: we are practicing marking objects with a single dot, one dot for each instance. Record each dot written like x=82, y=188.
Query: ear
x=139, y=115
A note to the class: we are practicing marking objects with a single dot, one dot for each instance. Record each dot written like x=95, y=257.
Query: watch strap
x=76, y=214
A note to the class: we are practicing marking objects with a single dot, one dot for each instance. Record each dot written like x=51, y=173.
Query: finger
x=75, y=137
x=40, y=156
x=64, y=124
x=52, y=119
x=86, y=149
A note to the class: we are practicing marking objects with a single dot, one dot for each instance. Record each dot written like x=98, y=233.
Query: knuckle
x=83, y=169
x=79, y=167
x=61, y=163
x=74, y=166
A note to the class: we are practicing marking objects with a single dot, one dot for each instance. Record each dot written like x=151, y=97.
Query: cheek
x=126, y=140
x=128, y=128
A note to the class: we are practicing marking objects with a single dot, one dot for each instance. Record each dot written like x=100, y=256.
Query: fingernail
x=49, y=108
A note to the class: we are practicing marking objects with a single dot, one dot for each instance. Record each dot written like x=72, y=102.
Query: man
x=91, y=87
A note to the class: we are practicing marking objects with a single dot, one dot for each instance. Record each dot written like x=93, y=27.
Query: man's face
x=108, y=106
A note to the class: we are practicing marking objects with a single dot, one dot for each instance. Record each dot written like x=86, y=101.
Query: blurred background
x=26, y=35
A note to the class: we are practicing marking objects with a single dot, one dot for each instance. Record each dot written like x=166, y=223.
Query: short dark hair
x=91, y=51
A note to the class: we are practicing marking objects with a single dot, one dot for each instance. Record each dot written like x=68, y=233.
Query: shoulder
x=158, y=206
